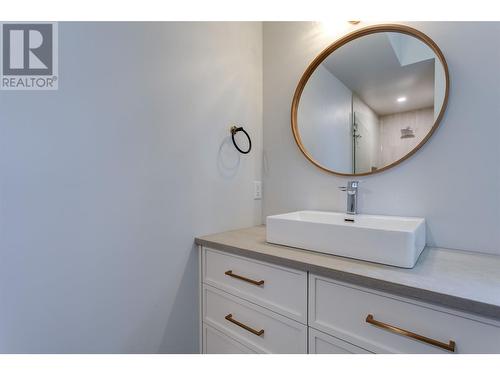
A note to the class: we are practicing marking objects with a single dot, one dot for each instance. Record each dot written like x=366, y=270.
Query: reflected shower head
x=407, y=133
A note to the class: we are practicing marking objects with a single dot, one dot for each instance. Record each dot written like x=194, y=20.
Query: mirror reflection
x=371, y=102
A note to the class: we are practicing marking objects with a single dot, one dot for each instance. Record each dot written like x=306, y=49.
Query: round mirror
x=370, y=100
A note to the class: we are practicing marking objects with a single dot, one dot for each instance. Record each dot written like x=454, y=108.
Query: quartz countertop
x=461, y=280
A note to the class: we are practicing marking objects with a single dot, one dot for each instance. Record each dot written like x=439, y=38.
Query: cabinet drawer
x=342, y=310
x=321, y=343
x=216, y=342
x=256, y=327
x=280, y=289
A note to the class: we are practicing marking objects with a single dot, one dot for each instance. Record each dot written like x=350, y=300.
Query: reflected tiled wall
x=392, y=147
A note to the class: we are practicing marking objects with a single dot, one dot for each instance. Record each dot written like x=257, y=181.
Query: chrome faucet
x=352, y=196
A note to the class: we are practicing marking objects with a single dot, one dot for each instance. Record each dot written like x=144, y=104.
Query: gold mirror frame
x=339, y=43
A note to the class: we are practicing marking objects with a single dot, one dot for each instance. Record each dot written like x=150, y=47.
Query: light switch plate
x=257, y=190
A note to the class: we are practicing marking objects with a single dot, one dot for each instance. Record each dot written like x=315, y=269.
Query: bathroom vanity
x=256, y=297
x=366, y=103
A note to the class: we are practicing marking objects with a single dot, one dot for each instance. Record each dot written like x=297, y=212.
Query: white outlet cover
x=257, y=190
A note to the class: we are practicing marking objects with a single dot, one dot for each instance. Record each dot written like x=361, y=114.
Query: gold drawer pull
x=254, y=282
x=450, y=346
x=244, y=326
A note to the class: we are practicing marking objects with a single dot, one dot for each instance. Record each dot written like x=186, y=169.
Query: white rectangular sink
x=392, y=240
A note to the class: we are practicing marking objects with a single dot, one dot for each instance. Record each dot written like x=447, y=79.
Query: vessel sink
x=391, y=240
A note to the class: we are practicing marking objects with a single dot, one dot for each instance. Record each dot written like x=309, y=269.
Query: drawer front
x=280, y=289
x=342, y=310
x=256, y=327
x=321, y=343
x=216, y=342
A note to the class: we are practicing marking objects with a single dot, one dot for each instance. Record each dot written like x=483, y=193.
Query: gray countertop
x=460, y=280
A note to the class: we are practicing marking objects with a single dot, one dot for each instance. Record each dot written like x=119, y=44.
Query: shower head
x=407, y=133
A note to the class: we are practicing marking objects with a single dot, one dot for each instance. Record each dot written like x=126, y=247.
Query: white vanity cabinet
x=280, y=289
x=251, y=306
x=384, y=323
x=216, y=342
x=321, y=343
x=256, y=304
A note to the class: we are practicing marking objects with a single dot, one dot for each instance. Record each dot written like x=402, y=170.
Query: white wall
x=105, y=183
x=453, y=181
x=368, y=145
x=324, y=119
x=392, y=146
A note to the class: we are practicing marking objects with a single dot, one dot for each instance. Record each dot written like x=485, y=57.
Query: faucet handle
x=353, y=184
x=350, y=185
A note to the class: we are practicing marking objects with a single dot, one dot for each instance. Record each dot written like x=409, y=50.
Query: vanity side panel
x=200, y=299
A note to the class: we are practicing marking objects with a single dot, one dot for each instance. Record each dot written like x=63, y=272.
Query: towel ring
x=234, y=130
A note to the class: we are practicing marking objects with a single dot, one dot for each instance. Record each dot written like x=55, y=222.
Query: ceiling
x=371, y=67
